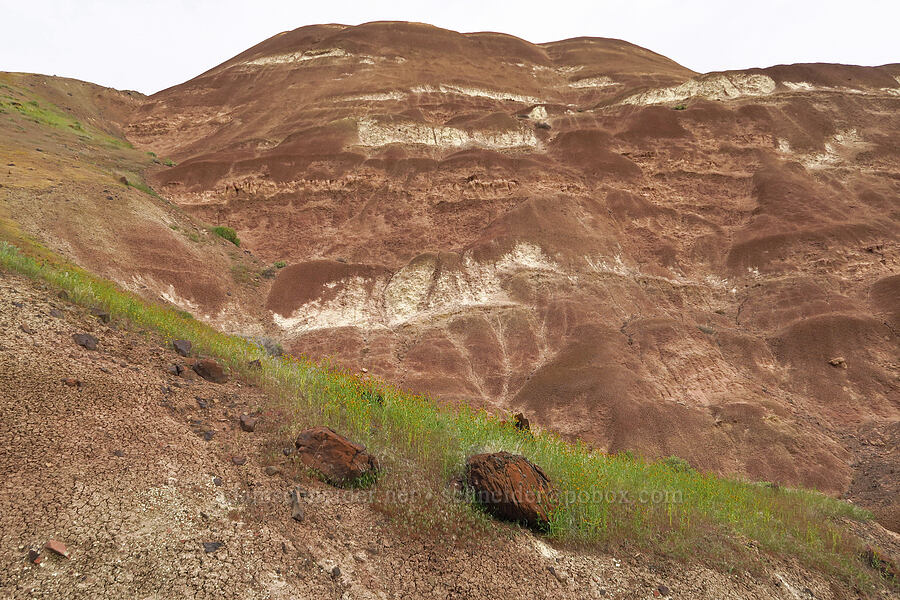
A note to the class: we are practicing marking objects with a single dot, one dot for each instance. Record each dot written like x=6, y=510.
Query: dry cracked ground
x=134, y=471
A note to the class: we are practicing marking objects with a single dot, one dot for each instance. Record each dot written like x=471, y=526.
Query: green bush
x=227, y=233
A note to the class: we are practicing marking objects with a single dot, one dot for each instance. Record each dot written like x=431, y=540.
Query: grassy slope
x=607, y=501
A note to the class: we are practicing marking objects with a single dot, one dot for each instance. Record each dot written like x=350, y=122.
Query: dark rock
x=521, y=423
x=336, y=572
x=85, y=340
x=34, y=556
x=210, y=370
x=510, y=487
x=173, y=369
x=210, y=547
x=202, y=403
x=340, y=461
x=272, y=470
x=254, y=365
x=663, y=590
x=101, y=314
x=287, y=451
x=208, y=435
x=17, y=304
x=119, y=453
x=248, y=423
x=560, y=575
x=62, y=295
x=239, y=460
x=217, y=481
x=182, y=347
x=56, y=313
x=297, y=512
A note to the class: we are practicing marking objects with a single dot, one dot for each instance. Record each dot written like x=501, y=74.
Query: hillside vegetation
x=607, y=501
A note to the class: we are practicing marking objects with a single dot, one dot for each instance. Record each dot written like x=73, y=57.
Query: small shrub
x=679, y=107
x=227, y=233
x=280, y=264
x=169, y=162
x=677, y=464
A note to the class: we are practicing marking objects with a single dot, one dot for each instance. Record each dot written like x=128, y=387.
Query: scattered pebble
x=57, y=547
x=85, y=340
x=238, y=460
x=210, y=547
x=248, y=423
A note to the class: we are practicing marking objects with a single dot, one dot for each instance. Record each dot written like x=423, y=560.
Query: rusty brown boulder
x=210, y=370
x=339, y=460
x=510, y=487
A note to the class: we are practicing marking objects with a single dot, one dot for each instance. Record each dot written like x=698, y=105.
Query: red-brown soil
x=585, y=231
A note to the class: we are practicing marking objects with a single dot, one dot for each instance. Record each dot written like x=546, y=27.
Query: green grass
x=613, y=502
x=48, y=114
x=227, y=233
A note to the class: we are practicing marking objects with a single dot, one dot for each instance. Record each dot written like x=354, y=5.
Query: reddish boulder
x=510, y=487
x=210, y=370
x=339, y=460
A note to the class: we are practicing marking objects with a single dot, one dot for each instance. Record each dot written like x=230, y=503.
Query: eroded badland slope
x=585, y=231
x=630, y=253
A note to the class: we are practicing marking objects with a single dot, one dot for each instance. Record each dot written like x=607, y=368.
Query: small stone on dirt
x=838, y=362
x=202, y=403
x=238, y=460
x=560, y=575
x=210, y=547
x=34, y=556
x=85, y=340
x=26, y=329
x=273, y=470
x=210, y=370
x=119, y=453
x=297, y=512
x=182, y=347
x=248, y=423
x=217, y=481
x=72, y=382
x=336, y=572
x=57, y=547
x=663, y=590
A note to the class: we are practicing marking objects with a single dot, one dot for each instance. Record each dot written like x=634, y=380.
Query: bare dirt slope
x=632, y=253
x=104, y=451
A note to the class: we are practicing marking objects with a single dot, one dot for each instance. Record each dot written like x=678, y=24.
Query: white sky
x=149, y=45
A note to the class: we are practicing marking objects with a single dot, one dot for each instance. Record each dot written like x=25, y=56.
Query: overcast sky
x=150, y=45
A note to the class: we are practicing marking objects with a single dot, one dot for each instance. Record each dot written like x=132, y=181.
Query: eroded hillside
x=629, y=252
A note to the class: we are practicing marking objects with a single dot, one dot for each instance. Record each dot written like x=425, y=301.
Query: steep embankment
x=631, y=253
